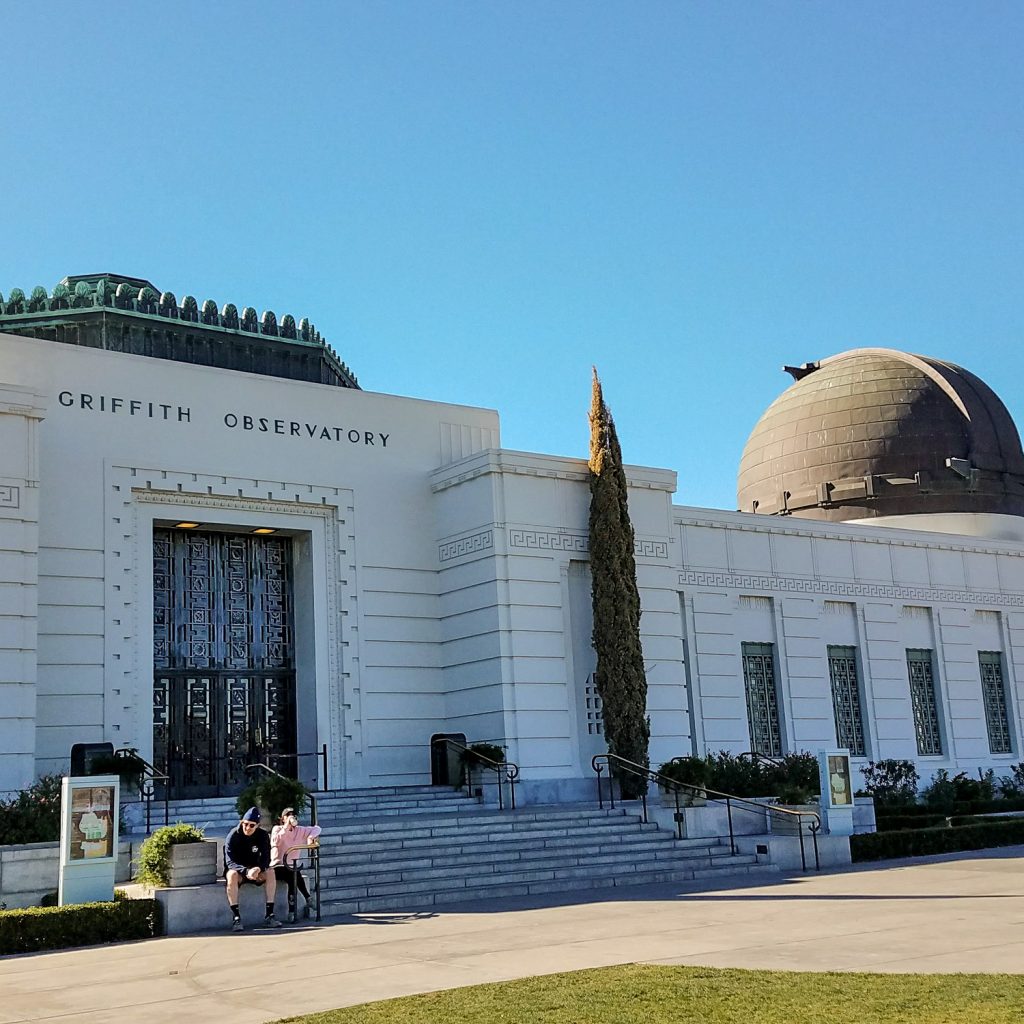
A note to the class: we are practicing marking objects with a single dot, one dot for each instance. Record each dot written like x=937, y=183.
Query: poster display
x=88, y=838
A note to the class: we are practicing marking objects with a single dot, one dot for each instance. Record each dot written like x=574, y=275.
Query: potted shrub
x=127, y=765
x=692, y=775
x=794, y=797
x=177, y=855
x=475, y=756
x=272, y=794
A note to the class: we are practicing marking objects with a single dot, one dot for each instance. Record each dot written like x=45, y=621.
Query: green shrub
x=155, y=852
x=486, y=751
x=84, y=924
x=900, y=822
x=924, y=841
x=891, y=781
x=796, y=774
x=737, y=776
x=1012, y=786
x=272, y=794
x=693, y=771
x=33, y=815
x=946, y=793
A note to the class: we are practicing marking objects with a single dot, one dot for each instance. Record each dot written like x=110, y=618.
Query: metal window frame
x=995, y=700
x=857, y=743
x=767, y=739
x=924, y=701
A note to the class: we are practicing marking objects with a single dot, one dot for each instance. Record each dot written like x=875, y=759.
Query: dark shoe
x=305, y=912
x=236, y=925
x=291, y=917
x=271, y=922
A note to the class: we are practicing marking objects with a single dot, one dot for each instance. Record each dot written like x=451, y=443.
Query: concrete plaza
x=956, y=913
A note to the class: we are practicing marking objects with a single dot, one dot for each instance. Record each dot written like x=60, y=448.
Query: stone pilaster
x=20, y=412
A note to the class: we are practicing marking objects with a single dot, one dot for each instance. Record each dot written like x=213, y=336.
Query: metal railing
x=314, y=851
x=504, y=771
x=620, y=765
x=148, y=778
x=222, y=776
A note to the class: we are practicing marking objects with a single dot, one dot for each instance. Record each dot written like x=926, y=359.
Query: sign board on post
x=90, y=807
x=836, y=791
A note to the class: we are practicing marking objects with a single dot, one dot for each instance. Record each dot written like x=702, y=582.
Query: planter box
x=788, y=825
x=687, y=798
x=192, y=864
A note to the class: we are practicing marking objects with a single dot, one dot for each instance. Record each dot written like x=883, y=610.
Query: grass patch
x=640, y=994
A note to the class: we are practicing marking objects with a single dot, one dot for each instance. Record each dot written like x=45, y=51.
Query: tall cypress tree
x=619, y=676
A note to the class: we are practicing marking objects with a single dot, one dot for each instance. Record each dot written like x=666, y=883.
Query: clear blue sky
x=475, y=201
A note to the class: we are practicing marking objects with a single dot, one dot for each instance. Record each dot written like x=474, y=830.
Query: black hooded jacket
x=242, y=852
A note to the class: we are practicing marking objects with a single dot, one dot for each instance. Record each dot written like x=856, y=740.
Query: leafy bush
x=924, y=841
x=33, y=815
x=737, y=776
x=901, y=822
x=272, y=794
x=946, y=793
x=84, y=924
x=891, y=781
x=693, y=771
x=155, y=852
x=1012, y=785
x=485, y=751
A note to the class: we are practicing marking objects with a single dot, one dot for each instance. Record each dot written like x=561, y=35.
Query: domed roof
x=876, y=432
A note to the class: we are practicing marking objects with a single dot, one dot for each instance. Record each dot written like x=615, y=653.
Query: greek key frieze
x=792, y=585
x=482, y=541
x=10, y=496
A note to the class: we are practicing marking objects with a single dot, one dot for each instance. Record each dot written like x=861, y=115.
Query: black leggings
x=292, y=877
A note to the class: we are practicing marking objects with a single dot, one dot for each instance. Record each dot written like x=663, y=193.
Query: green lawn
x=637, y=994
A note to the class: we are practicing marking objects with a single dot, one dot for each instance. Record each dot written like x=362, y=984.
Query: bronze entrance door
x=223, y=654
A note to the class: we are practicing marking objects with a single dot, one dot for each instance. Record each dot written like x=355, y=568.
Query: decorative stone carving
x=102, y=295
x=123, y=297
x=61, y=297
x=287, y=326
x=83, y=296
x=168, y=304
x=16, y=301
x=148, y=300
x=249, y=321
x=208, y=314
x=305, y=329
x=269, y=323
x=229, y=316
x=38, y=300
x=189, y=309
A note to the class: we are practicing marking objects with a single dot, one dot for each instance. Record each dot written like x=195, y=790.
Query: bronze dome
x=876, y=432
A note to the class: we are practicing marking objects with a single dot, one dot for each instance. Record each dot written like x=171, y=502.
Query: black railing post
x=600, y=789
x=323, y=754
x=679, y=816
x=732, y=836
x=643, y=801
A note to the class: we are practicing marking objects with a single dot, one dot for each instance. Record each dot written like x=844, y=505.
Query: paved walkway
x=962, y=912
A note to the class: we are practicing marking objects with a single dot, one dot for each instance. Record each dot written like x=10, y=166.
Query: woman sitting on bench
x=287, y=841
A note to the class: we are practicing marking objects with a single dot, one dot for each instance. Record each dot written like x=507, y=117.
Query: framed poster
x=92, y=823
x=88, y=838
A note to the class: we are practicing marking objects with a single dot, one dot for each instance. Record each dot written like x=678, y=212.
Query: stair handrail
x=150, y=776
x=758, y=758
x=509, y=768
x=621, y=764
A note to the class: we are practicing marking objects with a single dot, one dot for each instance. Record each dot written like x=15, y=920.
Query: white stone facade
x=442, y=585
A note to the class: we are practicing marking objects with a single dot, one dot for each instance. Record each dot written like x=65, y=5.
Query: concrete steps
x=411, y=847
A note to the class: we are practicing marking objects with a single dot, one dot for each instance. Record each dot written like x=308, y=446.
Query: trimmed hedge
x=81, y=924
x=901, y=822
x=920, y=842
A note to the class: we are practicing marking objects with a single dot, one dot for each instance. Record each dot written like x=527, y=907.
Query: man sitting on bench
x=247, y=861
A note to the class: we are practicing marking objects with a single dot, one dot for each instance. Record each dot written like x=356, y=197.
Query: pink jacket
x=284, y=840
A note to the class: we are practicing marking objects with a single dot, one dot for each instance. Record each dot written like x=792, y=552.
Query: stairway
x=411, y=847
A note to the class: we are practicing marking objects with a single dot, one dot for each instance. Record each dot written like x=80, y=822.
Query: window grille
x=595, y=709
x=842, y=670
x=922, y=699
x=993, y=692
x=762, y=699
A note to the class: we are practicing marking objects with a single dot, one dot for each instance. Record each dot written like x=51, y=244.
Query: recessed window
x=762, y=699
x=842, y=669
x=993, y=691
x=923, y=702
